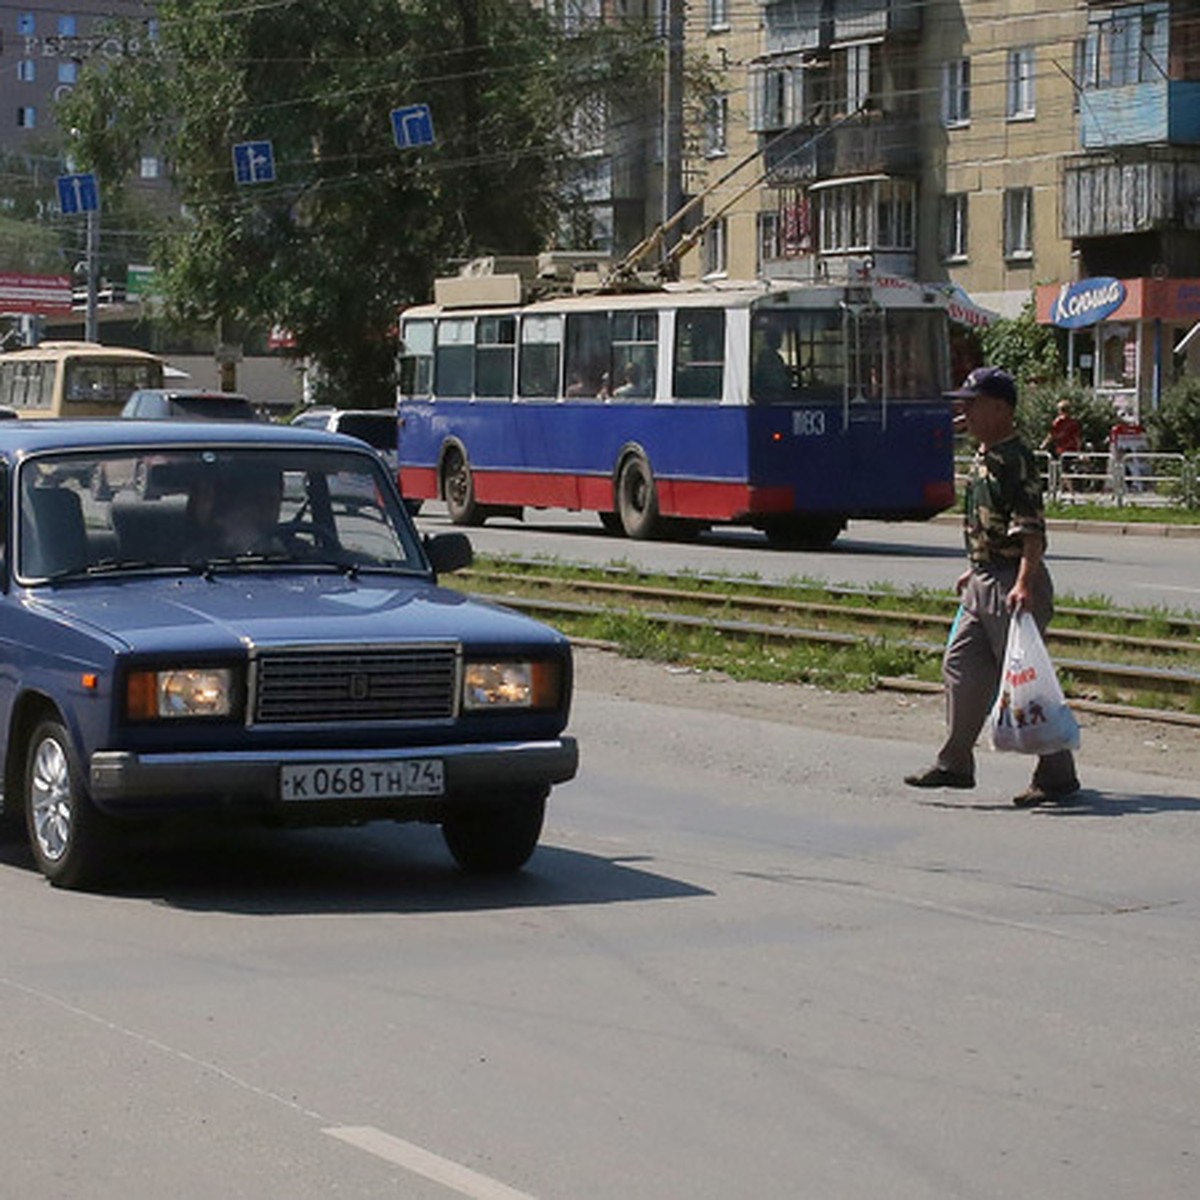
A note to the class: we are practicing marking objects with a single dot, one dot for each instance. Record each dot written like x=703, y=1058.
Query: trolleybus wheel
x=637, y=499
x=804, y=533
x=458, y=486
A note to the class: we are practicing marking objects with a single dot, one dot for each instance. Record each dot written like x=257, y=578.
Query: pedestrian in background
x=1005, y=531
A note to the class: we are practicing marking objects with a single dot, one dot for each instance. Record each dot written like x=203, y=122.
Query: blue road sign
x=78, y=193
x=412, y=126
x=254, y=162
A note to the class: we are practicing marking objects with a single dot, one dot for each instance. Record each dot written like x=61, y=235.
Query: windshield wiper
x=106, y=566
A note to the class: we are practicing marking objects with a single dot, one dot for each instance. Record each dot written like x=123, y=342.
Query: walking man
x=1005, y=530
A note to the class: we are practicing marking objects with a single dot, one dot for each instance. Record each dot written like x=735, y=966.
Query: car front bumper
x=124, y=783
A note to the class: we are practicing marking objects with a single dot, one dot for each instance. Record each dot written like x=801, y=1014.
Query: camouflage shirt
x=1003, y=502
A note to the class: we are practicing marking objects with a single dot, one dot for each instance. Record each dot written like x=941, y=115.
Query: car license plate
x=362, y=781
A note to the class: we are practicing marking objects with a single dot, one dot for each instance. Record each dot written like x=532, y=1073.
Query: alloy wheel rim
x=51, y=800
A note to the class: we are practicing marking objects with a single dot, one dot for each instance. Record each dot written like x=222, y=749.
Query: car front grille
x=341, y=684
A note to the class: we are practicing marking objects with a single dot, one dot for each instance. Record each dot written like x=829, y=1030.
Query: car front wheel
x=498, y=838
x=66, y=831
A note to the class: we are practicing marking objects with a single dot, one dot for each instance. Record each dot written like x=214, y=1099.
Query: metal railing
x=1119, y=478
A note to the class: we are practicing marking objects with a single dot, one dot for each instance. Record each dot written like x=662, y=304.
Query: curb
x=1112, y=528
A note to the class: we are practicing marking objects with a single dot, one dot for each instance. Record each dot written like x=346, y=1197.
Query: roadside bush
x=1039, y=405
x=1174, y=427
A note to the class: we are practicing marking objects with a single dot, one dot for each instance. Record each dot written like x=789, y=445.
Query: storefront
x=1127, y=338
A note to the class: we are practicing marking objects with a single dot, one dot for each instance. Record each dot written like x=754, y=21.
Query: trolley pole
x=672, y=122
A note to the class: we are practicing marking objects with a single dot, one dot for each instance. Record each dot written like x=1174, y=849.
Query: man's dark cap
x=987, y=381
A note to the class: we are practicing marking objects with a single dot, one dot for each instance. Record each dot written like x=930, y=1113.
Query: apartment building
x=1008, y=150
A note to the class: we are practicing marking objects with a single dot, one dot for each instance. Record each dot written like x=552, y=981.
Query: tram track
x=1126, y=663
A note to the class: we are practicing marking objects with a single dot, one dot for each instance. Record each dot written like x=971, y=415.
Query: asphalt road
x=1132, y=570
x=743, y=963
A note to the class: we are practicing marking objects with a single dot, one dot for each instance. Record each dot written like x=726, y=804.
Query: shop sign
x=1087, y=301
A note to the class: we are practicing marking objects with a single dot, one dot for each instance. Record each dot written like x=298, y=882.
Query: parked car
x=264, y=639
x=187, y=404
x=377, y=427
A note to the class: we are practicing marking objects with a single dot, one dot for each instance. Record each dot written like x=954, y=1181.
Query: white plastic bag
x=1030, y=715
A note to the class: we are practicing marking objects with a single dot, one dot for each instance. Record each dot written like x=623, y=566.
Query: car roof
x=177, y=393
x=34, y=437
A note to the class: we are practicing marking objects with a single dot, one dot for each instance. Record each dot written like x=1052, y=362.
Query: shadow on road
x=377, y=869
x=1086, y=803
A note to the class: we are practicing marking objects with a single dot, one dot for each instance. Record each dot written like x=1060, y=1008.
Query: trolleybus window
x=495, y=345
x=798, y=356
x=699, y=354
x=541, y=347
x=634, y=354
x=588, y=369
x=454, y=357
x=416, y=365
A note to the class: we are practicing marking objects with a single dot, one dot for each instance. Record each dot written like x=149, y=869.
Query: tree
x=353, y=228
x=1027, y=350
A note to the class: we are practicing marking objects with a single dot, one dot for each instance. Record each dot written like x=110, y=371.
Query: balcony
x=1157, y=112
x=1138, y=191
x=873, y=144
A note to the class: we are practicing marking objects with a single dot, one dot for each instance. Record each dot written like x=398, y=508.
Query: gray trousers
x=973, y=664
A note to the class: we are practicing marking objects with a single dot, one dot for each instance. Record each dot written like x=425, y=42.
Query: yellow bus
x=74, y=379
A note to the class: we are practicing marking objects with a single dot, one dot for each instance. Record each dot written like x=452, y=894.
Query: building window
x=716, y=126
x=26, y=25
x=769, y=245
x=956, y=92
x=715, y=248
x=1020, y=104
x=856, y=72
x=68, y=71
x=872, y=215
x=718, y=14
x=770, y=99
x=26, y=117
x=954, y=226
x=1018, y=223
x=578, y=15
x=1128, y=46
x=67, y=26
x=26, y=70
x=150, y=168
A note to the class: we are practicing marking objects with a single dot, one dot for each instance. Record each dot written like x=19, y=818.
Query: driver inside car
x=232, y=513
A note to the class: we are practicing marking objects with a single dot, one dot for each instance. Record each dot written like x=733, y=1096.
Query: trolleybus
x=789, y=407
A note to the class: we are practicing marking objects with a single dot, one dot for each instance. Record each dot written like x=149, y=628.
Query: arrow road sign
x=254, y=162
x=412, y=126
x=78, y=193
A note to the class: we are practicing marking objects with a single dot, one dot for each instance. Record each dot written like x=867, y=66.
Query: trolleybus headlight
x=508, y=685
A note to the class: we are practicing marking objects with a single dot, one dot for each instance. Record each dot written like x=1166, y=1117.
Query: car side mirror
x=449, y=552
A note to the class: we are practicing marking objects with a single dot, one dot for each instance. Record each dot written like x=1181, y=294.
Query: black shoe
x=937, y=777
x=1036, y=794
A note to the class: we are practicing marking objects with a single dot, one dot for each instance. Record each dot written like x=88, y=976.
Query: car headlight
x=179, y=692
x=506, y=685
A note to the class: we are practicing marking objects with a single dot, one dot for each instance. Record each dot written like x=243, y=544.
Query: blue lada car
x=245, y=623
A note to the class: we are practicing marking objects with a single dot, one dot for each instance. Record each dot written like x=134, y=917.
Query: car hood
x=160, y=615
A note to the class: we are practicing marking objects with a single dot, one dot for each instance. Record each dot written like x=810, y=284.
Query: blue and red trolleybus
x=789, y=407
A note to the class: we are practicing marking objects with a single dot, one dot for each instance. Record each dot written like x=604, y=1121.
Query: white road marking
x=423, y=1162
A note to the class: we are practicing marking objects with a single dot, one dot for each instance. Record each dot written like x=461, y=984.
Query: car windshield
x=212, y=408
x=197, y=509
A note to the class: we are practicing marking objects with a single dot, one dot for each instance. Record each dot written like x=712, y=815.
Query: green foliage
x=353, y=229
x=1027, y=350
x=1039, y=406
x=1174, y=427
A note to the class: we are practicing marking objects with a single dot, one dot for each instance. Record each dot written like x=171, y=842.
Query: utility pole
x=672, y=119
x=91, y=323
